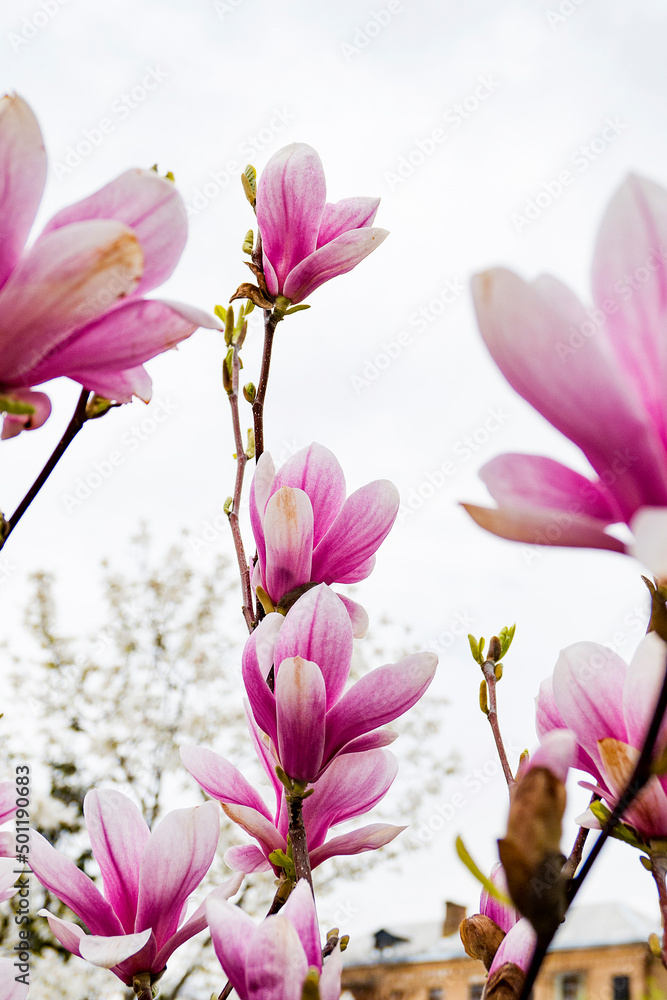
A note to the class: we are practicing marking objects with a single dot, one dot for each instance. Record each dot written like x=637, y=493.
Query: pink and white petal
x=66, y=931
x=359, y=572
x=362, y=524
x=10, y=989
x=317, y=472
x=258, y=826
x=527, y=329
x=370, y=741
x=516, y=480
x=220, y=779
x=246, y=859
x=341, y=216
x=7, y=845
x=331, y=975
x=548, y=718
x=367, y=838
x=8, y=877
x=503, y=915
x=516, y=947
x=14, y=423
x=198, y=921
x=260, y=491
x=557, y=753
x=291, y=194
x=149, y=205
x=537, y=526
x=233, y=932
x=7, y=788
x=588, y=821
x=352, y=785
x=72, y=886
x=106, y=952
x=279, y=964
x=300, y=911
x=358, y=617
x=68, y=278
x=649, y=527
x=301, y=705
x=588, y=689
x=264, y=748
x=124, y=338
x=119, y=386
x=337, y=257
x=23, y=172
x=118, y=835
x=630, y=241
x=318, y=628
x=643, y=682
x=261, y=697
x=176, y=858
x=378, y=698
x=648, y=812
x=288, y=534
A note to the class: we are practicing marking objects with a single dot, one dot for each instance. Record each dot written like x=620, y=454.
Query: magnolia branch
x=489, y=671
x=241, y=461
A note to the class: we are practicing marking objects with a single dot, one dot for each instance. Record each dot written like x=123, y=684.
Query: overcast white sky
x=457, y=115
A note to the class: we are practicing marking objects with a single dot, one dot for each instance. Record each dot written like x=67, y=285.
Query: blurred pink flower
x=305, y=239
x=598, y=375
x=72, y=304
x=148, y=877
x=10, y=989
x=270, y=961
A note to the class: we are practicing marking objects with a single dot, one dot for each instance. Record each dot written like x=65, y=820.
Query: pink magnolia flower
x=503, y=915
x=350, y=787
x=148, y=877
x=10, y=989
x=608, y=705
x=8, y=877
x=597, y=374
x=305, y=239
x=309, y=717
x=72, y=304
x=307, y=531
x=270, y=961
x=517, y=947
x=7, y=812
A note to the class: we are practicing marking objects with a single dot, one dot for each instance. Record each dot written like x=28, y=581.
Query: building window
x=475, y=991
x=438, y=994
x=621, y=987
x=570, y=986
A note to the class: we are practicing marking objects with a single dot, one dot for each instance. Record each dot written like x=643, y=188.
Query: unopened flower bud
x=481, y=938
x=506, y=983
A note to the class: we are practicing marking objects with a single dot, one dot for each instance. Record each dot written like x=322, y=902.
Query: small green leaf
x=646, y=863
x=463, y=854
x=621, y=831
x=506, y=636
x=281, y=860
x=9, y=405
x=296, y=309
x=248, y=242
x=474, y=648
x=220, y=312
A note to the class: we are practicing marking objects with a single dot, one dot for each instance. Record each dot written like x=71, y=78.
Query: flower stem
x=271, y=320
x=297, y=836
x=489, y=671
x=141, y=984
x=76, y=423
x=233, y=513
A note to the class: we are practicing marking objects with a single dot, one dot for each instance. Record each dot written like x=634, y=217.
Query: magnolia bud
x=481, y=938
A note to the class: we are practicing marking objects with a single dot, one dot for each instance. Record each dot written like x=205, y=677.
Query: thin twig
x=241, y=461
x=73, y=428
x=271, y=320
x=489, y=671
x=569, y=868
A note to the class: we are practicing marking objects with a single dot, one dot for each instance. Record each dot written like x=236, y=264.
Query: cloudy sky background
x=516, y=93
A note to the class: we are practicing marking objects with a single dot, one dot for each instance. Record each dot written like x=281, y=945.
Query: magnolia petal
x=317, y=472
x=23, y=172
x=176, y=858
x=649, y=527
x=69, y=277
x=516, y=947
x=367, y=838
x=548, y=718
x=246, y=859
x=119, y=386
x=588, y=821
x=258, y=826
x=301, y=703
x=291, y=194
x=648, y=812
x=501, y=914
x=329, y=984
x=10, y=989
x=220, y=779
x=260, y=491
x=588, y=689
x=362, y=524
x=300, y=911
x=198, y=921
x=279, y=965
x=232, y=931
x=516, y=480
x=358, y=617
x=642, y=687
x=378, y=698
x=264, y=748
x=118, y=835
x=318, y=629
x=256, y=663
x=337, y=257
x=370, y=741
x=342, y=216
x=8, y=877
x=537, y=526
x=288, y=535
x=557, y=753
x=352, y=785
x=61, y=877
x=7, y=788
x=106, y=952
x=66, y=931
x=151, y=206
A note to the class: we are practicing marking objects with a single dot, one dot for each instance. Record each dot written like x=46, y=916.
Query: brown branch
x=298, y=840
x=489, y=671
x=241, y=461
